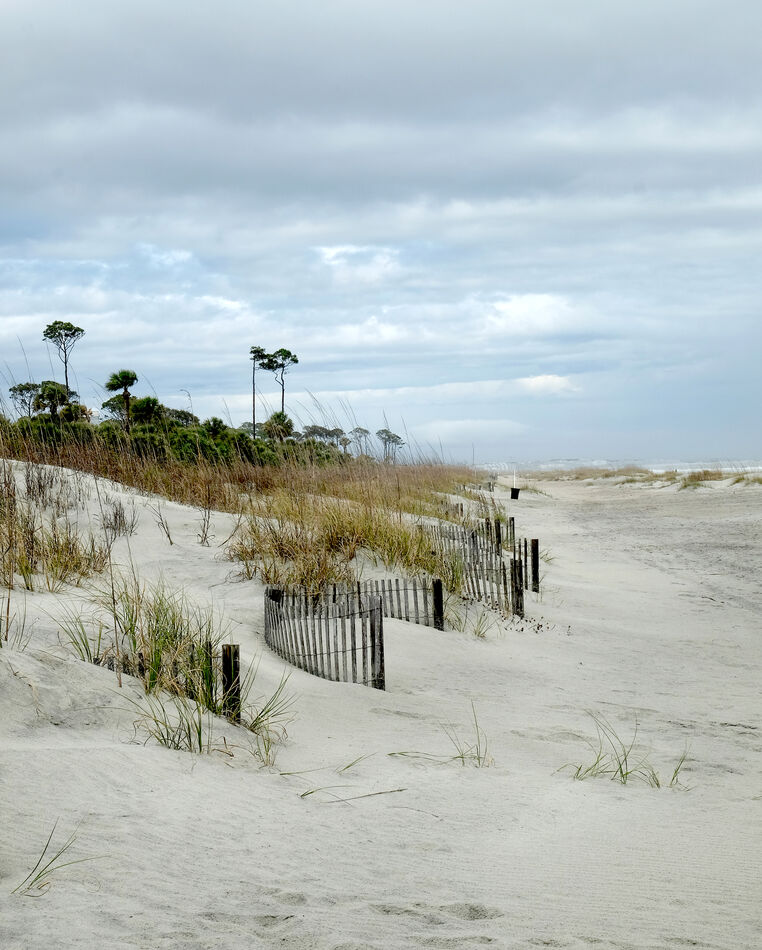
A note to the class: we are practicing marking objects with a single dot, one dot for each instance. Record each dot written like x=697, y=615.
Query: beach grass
x=619, y=759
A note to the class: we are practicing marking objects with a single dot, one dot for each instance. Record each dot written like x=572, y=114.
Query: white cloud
x=164, y=259
x=547, y=385
x=535, y=314
x=362, y=264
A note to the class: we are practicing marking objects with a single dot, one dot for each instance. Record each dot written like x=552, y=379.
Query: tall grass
x=311, y=540
x=39, y=543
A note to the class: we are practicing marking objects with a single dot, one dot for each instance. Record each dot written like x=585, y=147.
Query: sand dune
x=649, y=611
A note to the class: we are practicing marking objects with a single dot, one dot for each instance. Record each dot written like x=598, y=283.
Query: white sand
x=650, y=608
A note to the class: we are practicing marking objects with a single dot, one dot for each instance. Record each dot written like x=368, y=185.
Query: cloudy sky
x=513, y=230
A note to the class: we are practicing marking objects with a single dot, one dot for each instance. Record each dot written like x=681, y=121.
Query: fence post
x=498, y=537
x=438, y=599
x=377, y=646
x=231, y=681
x=536, y=565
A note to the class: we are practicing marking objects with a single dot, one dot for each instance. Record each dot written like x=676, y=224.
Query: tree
x=114, y=407
x=278, y=427
x=63, y=336
x=391, y=442
x=360, y=437
x=146, y=411
x=123, y=380
x=51, y=396
x=278, y=363
x=259, y=357
x=316, y=432
x=74, y=412
x=214, y=426
x=180, y=417
x=23, y=396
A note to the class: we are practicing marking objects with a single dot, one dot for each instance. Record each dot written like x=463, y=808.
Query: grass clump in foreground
x=37, y=537
x=173, y=646
x=49, y=862
x=616, y=758
x=472, y=751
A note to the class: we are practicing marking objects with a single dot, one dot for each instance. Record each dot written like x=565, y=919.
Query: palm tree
x=278, y=427
x=123, y=380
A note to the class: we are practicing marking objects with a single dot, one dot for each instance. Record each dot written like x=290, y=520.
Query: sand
x=649, y=611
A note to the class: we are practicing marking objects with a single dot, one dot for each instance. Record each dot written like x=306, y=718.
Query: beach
x=375, y=825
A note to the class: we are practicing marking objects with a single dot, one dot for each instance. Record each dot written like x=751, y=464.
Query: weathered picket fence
x=336, y=636
x=418, y=599
x=497, y=566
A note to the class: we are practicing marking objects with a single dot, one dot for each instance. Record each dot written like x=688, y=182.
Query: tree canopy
x=63, y=335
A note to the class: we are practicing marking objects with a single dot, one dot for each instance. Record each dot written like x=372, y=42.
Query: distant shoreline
x=657, y=466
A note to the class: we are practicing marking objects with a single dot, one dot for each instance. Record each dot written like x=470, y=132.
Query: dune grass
x=40, y=543
x=51, y=861
x=312, y=540
x=468, y=751
x=620, y=760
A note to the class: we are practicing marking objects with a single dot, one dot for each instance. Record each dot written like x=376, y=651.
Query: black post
x=438, y=604
x=231, y=681
x=536, y=565
x=498, y=536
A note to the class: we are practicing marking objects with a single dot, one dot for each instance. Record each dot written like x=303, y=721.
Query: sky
x=504, y=230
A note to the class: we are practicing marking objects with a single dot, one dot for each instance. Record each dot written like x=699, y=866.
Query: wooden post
x=377, y=646
x=438, y=604
x=344, y=643
x=498, y=537
x=512, y=531
x=231, y=681
x=536, y=565
x=517, y=588
x=364, y=634
x=353, y=639
x=526, y=565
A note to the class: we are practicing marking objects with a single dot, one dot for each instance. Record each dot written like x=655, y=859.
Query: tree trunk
x=253, y=399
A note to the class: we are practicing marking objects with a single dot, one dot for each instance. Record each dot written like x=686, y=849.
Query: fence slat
x=364, y=636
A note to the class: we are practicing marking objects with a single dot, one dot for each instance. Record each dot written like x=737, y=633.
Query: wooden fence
x=497, y=566
x=338, y=636
x=418, y=599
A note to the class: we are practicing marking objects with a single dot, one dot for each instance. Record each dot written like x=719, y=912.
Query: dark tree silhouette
x=279, y=363
x=63, y=335
x=391, y=442
x=123, y=380
x=360, y=437
x=259, y=357
x=23, y=396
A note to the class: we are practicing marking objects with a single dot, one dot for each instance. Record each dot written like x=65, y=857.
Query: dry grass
x=696, y=479
x=39, y=541
x=313, y=540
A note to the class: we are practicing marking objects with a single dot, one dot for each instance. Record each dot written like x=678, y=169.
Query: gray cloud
x=435, y=204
